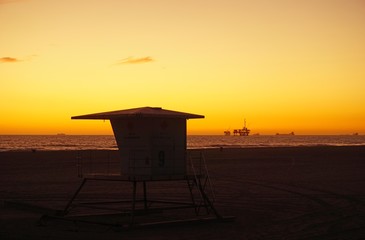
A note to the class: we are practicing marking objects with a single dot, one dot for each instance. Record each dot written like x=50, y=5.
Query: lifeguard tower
x=152, y=148
x=151, y=141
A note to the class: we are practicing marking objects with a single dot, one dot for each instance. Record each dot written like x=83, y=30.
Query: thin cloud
x=132, y=60
x=9, y=60
x=16, y=60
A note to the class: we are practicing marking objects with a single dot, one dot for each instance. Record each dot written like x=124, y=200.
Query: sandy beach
x=274, y=193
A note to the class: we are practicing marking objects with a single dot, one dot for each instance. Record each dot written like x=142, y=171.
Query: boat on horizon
x=285, y=134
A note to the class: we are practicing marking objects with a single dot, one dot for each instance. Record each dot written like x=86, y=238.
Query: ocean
x=107, y=142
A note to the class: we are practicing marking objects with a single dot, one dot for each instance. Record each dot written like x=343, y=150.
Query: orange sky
x=283, y=65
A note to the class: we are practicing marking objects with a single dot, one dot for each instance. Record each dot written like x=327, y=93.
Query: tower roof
x=139, y=112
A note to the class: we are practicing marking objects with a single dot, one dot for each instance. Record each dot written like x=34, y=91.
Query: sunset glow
x=283, y=65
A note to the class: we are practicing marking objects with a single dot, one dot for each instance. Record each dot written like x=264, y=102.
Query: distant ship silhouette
x=285, y=134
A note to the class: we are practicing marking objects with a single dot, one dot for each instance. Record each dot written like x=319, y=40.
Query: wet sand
x=274, y=193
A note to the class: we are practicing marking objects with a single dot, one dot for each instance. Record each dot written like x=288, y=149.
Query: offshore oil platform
x=239, y=132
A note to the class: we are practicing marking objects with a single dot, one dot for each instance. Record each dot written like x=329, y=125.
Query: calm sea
x=83, y=142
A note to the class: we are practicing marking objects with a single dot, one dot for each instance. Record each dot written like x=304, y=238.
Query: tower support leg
x=145, y=196
x=134, y=198
x=208, y=204
x=65, y=211
x=191, y=186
